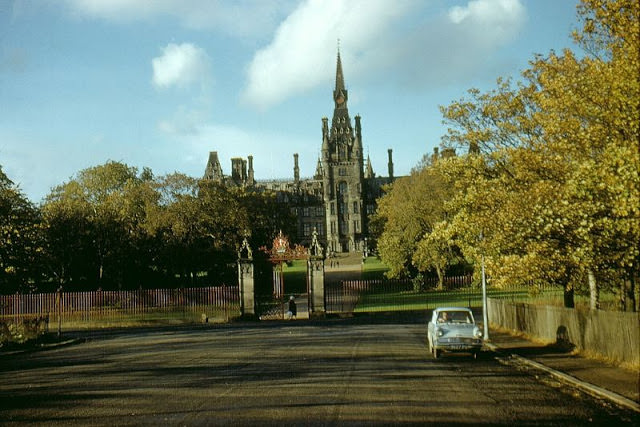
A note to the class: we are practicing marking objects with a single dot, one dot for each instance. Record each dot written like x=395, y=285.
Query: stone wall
x=614, y=335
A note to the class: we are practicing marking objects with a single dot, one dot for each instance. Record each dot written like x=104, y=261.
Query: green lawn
x=295, y=274
x=465, y=297
x=373, y=269
x=295, y=277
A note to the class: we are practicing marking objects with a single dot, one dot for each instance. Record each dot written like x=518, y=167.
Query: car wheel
x=436, y=353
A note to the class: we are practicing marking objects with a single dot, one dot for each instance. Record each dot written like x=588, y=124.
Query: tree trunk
x=628, y=295
x=568, y=296
x=440, y=278
x=594, y=292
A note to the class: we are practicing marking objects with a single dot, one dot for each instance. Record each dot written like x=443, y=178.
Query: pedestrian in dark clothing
x=293, y=310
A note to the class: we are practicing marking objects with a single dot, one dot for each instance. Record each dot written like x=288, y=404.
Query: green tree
x=94, y=224
x=406, y=217
x=21, y=243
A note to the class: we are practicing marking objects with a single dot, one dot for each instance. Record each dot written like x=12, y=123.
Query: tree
x=21, y=244
x=551, y=181
x=408, y=213
x=94, y=225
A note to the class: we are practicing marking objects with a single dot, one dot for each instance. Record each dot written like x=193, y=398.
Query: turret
x=296, y=170
x=238, y=170
x=213, y=170
x=390, y=151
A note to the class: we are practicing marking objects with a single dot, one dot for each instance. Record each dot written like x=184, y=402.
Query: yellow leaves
x=552, y=179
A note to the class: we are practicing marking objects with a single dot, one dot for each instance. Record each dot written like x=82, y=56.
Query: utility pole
x=485, y=316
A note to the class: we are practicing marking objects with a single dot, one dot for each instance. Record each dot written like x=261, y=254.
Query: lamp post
x=485, y=316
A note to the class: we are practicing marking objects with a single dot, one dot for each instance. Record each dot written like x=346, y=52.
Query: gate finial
x=315, y=249
x=245, y=248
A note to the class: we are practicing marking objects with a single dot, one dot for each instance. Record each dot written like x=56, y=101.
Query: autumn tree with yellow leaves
x=548, y=190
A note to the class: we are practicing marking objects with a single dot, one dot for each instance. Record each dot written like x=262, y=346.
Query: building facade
x=342, y=193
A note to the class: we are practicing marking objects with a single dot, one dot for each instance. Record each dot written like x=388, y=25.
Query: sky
x=161, y=83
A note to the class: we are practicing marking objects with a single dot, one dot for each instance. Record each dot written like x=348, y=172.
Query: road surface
x=320, y=373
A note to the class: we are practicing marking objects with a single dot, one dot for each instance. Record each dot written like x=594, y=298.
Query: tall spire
x=339, y=74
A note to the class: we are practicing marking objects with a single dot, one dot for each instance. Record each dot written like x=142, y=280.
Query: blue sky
x=160, y=83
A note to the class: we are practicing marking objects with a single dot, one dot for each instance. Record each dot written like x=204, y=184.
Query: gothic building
x=338, y=199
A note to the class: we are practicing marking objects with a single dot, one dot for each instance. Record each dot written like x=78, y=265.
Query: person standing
x=293, y=310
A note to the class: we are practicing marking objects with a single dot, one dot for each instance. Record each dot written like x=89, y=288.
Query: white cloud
x=182, y=66
x=495, y=21
x=296, y=59
x=235, y=17
x=404, y=39
x=462, y=46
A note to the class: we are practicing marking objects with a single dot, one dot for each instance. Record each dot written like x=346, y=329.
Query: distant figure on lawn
x=293, y=311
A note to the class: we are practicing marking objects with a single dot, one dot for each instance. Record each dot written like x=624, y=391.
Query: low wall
x=614, y=335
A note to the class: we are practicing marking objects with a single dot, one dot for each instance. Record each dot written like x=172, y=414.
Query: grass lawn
x=465, y=297
x=295, y=277
x=373, y=269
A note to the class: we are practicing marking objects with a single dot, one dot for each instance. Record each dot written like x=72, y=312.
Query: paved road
x=327, y=373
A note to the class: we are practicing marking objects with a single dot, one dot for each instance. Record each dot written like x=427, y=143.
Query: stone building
x=337, y=200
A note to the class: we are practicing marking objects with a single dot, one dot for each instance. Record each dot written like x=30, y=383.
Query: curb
x=586, y=387
x=42, y=347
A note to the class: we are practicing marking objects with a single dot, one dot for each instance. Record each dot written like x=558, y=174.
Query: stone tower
x=342, y=173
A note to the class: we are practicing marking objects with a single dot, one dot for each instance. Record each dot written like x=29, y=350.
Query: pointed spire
x=319, y=170
x=339, y=74
x=369, y=171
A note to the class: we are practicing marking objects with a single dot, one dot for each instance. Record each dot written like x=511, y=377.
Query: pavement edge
x=589, y=388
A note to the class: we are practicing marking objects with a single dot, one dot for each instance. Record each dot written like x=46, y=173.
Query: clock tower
x=343, y=173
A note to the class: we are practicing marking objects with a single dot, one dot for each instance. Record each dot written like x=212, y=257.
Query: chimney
x=238, y=170
x=296, y=169
x=390, y=151
x=358, y=127
x=250, y=177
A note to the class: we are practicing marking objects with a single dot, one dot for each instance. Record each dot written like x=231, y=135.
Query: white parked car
x=453, y=329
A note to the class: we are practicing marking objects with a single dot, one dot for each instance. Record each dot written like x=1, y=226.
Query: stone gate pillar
x=245, y=280
x=315, y=278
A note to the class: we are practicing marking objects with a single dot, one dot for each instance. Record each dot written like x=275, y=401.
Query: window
x=305, y=211
x=355, y=207
x=306, y=230
x=342, y=188
x=333, y=208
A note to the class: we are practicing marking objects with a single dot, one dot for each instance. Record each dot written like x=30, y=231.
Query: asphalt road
x=325, y=373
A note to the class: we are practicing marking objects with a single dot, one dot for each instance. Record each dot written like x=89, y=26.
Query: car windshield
x=454, y=317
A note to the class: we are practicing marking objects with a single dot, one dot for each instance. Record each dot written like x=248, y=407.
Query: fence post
x=59, y=301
